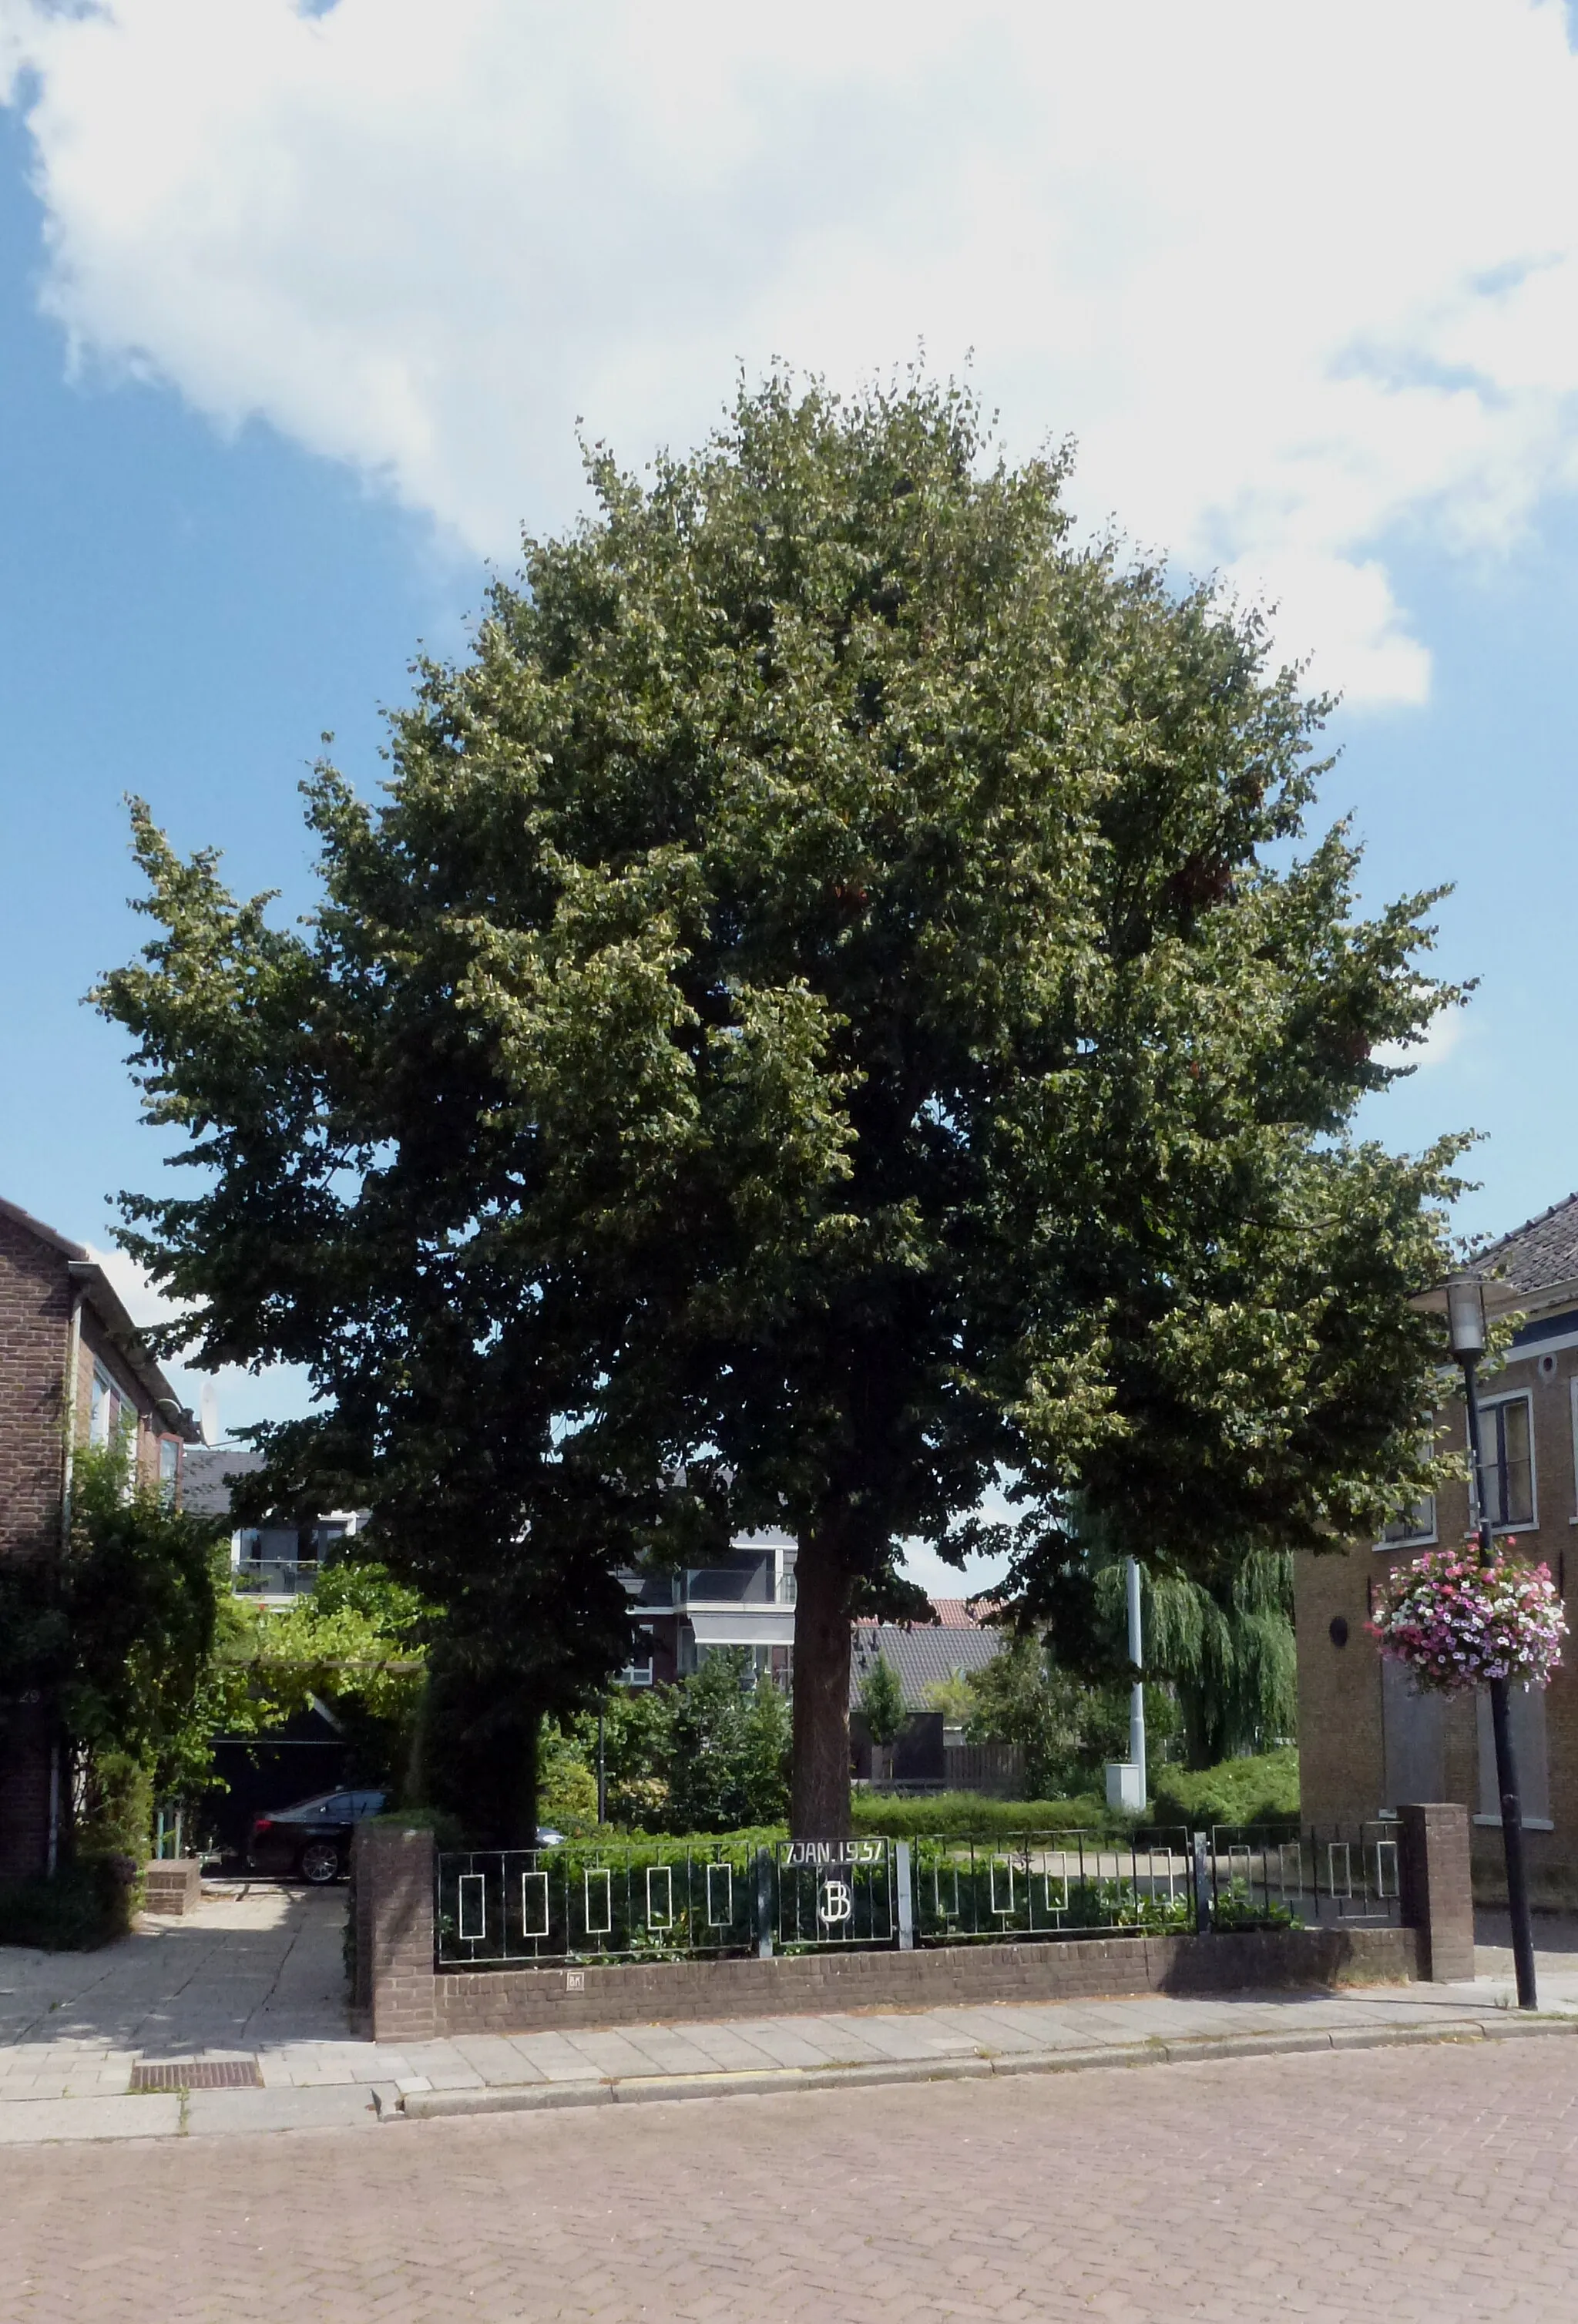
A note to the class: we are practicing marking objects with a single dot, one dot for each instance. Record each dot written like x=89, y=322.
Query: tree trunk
x=820, y=1794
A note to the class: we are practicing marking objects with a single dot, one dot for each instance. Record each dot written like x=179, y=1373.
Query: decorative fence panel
x=835, y=1892
x=1325, y=1877
x=510, y=1907
x=677, y=1900
x=1051, y=1884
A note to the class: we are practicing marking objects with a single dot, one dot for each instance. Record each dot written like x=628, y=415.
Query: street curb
x=645, y=2089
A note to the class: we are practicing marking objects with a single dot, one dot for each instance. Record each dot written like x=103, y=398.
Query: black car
x=312, y=1840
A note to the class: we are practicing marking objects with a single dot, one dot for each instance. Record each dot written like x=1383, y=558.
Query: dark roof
x=1540, y=1254
x=207, y=1473
x=105, y=1301
x=921, y=1654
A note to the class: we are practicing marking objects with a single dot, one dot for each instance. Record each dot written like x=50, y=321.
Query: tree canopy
x=828, y=1011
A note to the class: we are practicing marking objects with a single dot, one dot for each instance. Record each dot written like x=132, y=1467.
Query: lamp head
x=1465, y=1315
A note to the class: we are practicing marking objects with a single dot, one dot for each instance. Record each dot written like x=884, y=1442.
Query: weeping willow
x=1225, y=1647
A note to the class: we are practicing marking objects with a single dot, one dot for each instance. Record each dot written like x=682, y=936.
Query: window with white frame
x=1416, y=1523
x=1525, y=1716
x=105, y=1409
x=1507, y=1447
x=638, y=1671
x=169, y=1467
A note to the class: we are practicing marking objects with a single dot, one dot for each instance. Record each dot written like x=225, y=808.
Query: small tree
x=1023, y=1698
x=881, y=1703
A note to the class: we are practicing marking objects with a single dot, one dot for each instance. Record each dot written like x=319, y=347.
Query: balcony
x=737, y=1585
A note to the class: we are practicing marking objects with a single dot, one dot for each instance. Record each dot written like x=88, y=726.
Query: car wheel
x=320, y=1862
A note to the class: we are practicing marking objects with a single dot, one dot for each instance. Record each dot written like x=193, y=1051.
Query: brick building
x=1367, y=1742
x=73, y=1371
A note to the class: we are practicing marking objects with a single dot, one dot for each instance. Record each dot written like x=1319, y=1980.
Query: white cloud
x=1441, y=1041
x=1300, y=280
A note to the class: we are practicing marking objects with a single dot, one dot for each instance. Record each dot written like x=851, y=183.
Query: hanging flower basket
x=1458, y=1624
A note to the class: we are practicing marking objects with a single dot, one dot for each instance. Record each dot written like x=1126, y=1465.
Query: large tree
x=828, y=1008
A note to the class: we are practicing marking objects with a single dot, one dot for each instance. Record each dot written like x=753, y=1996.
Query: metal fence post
x=1202, y=1885
x=764, y=1904
x=906, y=1901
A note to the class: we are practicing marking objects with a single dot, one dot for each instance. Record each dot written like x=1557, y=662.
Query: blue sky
x=285, y=361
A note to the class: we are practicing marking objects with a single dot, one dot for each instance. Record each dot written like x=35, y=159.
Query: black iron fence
x=497, y=1907
x=687, y=1900
x=1319, y=1877
x=1051, y=1884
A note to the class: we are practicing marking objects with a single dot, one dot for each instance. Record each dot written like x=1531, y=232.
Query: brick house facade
x=72, y=1371
x=1367, y=1742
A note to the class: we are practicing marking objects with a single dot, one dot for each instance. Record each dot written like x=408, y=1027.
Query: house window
x=1412, y=1737
x=638, y=1671
x=1525, y=1716
x=1509, y=1461
x=169, y=1468
x=1416, y=1523
x=103, y=1412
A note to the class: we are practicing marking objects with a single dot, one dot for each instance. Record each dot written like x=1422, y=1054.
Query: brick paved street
x=1433, y=2184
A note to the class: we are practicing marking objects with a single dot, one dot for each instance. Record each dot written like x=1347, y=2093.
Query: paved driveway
x=1437, y=2185
x=258, y=1966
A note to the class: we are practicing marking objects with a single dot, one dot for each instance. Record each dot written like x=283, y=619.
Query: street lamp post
x=1465, y=1324
x=1136, y=1689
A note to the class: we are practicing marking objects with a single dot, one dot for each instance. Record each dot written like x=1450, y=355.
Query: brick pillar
x=1437, y=1896
x=393, y=1873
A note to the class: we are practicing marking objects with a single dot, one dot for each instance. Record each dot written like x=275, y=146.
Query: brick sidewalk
x=258, y=1976
x=1431, y=2186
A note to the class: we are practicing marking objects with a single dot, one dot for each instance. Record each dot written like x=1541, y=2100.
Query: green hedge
x=86, y=1904
x=1263, y=1790
x=972, y=1815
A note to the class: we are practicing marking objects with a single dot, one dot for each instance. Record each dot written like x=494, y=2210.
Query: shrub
x=566, y=1787
x=85, y=1905
x=972, y=1815
x=1263, y=1790
x=1236, y=1908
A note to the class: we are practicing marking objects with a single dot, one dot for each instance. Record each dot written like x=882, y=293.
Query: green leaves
x=828, y=1000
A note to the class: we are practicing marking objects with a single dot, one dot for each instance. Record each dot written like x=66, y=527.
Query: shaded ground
x=257, y=1965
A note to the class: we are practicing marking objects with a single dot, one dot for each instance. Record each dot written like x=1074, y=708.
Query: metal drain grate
x=197, y=2074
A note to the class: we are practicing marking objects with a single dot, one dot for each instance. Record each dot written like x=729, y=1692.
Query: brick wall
x=1438, y=1891
x=98, y=1349
x=392, y=1902
x=35, y=1316
x=530, y=2001
x=1340, y=1737
x=36, y=1297
x=35, y=1313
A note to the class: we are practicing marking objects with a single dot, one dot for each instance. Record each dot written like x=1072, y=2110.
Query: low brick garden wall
x=633, y=1993
x=402, y=1998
